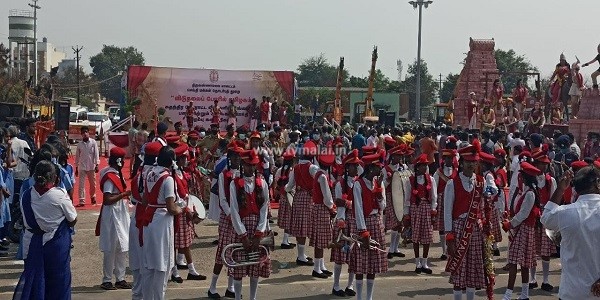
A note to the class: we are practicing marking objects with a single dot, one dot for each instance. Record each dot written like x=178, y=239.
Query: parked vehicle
x=100, y=121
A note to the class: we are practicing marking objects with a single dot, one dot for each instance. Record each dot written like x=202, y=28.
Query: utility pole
x=77, y=49
x=35, y=54
x=419, y=4
x=440, y=81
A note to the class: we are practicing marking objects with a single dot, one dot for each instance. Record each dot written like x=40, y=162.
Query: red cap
x=117, y=152
x=469, y=153
x=398, y=150
x=181, y=150
x=326, y=159
x=372, y=159
x=529, y=169
x=525, y=154
x=255, y=134
x=388, y=140
x=352, y=158
x=172, y=139
x=422, y=159
x=500, y=152
x=250, y=157
x=152, y=148
x=409, y=151
x=309, y=149
x=451, y=139
x=597, y=163
x=540, y=156
x=487, y=158
x=193, y=135
x=578, y=165
x=449, y=152
x=368, y=150
x=338, y=141
x=289, y=154
x=236, y=145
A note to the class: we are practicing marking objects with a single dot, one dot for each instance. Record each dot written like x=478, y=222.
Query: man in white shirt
x=373, y=140
x=515, y=139
x=578, y=224
x=86, y=165
x=18, y=146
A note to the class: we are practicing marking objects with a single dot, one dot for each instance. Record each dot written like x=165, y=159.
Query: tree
x=510, y=61
x=428, y=85
x=107, y=65
x=446, y=93
x=316, y=71
x=65, y=85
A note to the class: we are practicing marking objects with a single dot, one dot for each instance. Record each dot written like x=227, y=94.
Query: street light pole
x=415, y=4
x=35, y=54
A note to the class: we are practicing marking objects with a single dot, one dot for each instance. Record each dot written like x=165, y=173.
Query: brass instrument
x=369, y=114
x=337, y=104
x=252, y=258
x=354, y=239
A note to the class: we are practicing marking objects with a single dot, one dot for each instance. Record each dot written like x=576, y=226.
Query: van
x=78, y=114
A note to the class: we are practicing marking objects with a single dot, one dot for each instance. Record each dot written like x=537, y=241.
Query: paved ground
x=289, y=283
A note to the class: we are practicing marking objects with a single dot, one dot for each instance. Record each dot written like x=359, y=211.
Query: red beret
x=524, y=154
x=469, y=153
x=500, y=152
x=172, y=139
x=422, y=159
x=487, y=158
x=540, y=156
x=309, y=149
x=117, y=152
x=449, y=152
x=181, y=150
x=338, y=141
x=327, y=158
x=193, y=135
x=388, y=140
x=529, y=169
x=372, y=159
x=153, y=148
x=352, y=158
x=368, y=150
x=255, y=134
x=289, y=154
x=578, y=165
x=250, y=157
x=398, y=150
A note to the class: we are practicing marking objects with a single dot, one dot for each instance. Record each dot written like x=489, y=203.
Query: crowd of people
x=341, y=189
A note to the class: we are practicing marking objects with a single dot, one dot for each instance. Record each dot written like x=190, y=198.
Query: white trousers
x=114, y=262
x=136, y=290
x=154, y=284
x=253, y=124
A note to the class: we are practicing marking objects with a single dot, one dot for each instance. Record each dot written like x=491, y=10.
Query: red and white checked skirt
x=438, y=224
x=284, y=220
x=184, y=235
x=262, y=269
x=495, y=226
x=420, y=221
x=321, y=233
x=226, y=236
x=543, y=244
x=301, y=210
x=471, y=272
x=337, y=255
x=366, y=261
x=391, y=222
x=521, y=250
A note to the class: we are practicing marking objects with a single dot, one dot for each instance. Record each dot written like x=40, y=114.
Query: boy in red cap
x=345, y=222
x=369, y=203
x=545, y=248
x=249, y=207
x=113, y=222
x=419, y=209
x=391, y=221
x=488, y=162
x=443, y=174
x=524, y=212
x=301, y=181
x=322, y=209
x=463, y=206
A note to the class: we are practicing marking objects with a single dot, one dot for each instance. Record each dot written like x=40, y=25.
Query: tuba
x=251, y=258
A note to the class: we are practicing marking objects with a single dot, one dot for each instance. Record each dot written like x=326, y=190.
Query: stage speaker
x=61, y=115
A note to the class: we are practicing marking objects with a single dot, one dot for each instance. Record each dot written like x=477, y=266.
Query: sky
x=280, y=34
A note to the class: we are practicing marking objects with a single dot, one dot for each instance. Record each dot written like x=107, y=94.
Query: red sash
x=116, y=181
x=145, y=214
x=465, y=239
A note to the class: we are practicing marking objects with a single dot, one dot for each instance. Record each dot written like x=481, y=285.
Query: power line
x=69, y=87
x=77, y=50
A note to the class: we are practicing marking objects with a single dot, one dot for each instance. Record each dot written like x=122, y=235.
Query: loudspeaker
x=10, y=110
x=61, y=115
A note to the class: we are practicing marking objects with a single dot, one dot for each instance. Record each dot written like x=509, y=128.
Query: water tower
x=21, y=37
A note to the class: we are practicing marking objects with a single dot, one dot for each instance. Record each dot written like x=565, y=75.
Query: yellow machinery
x=369, y=115
x=337, y=108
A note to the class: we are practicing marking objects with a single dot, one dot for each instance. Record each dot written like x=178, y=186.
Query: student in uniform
x=420, y=208
x=392, y=222
x=369, y=203
x=447, y=171
x=249, y=200
x=113, y=222
x=284, y=218
x=524, y=213
x=488, y=161
x=502, y=184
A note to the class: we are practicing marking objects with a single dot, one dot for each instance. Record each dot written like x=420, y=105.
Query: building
x=64, y=65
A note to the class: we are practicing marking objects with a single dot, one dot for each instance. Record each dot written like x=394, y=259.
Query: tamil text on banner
x=172, y=89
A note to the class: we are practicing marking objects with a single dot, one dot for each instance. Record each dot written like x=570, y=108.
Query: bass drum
x=195, y=205
x=397, y=187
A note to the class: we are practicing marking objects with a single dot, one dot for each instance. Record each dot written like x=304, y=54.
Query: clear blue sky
x=279, y=34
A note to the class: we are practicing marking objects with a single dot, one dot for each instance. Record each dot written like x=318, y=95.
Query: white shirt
x=358, y=203
x=575, y=148
x=223, y=201
x=291, y=185
x=579, y=224
x=324, y=185
x=372, y=141
x=525, y=208
x=236, y=220
x=87, y=155
x=50, y=209
x=21, y=171
x=114, y=225
x=341, y=210
x=468, y=184
x=541, y=181
x=432, y=193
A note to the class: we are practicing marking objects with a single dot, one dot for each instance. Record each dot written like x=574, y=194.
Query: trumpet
x=251, y=258
x=354, y=239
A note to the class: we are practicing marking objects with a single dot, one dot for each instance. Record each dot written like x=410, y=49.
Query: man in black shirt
x=597, y=72
x=28, y=134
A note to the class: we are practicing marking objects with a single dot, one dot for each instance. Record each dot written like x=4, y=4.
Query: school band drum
x=344, y=203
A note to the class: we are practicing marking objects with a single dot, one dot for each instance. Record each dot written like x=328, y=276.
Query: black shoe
x=3, y=248
x=229, y=294
x=196, y=277
x=327, y=272
x=108, y=286
x=418, y=270
x=399, y=254
x=319, y=275
x=443, y=257
x=214, y=296
x=339, y=293
x=426, y=270
x=123, y=285
x=181, y=267
x=390, y=255
x=3, y=254
x=215, y=242
x=176, y=279
x=533, y=285
x=350, y=292
x=496, y=252
x=5, y=243
x=287, y=246
x=304, y=263
x=547, y=287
